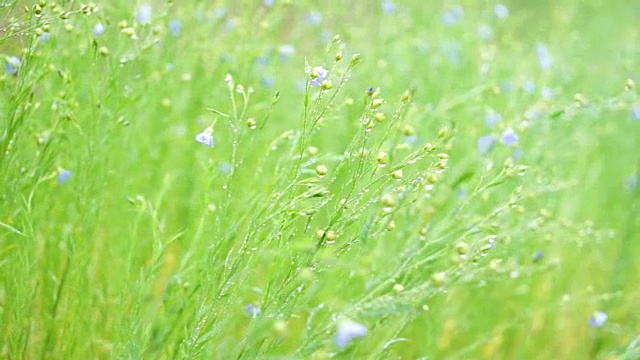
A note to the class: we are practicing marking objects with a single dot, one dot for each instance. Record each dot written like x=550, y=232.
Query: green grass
x=156, y=244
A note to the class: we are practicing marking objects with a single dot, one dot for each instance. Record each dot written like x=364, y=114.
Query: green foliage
x=463, y=184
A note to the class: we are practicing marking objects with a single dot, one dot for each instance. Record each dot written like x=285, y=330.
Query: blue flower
x=268, y=3
x=501, y=11
x=64, y=176
x=13, y=65
x=98, y=29
x=314, y=18
x=539, y=255
x=348, y=331
x=544, y=58
x=492, y=118
x=635, y=113
x=509, y=137
x=598, y=319
x=286, y=51
x=206, y=137
x=318, y=74
x=453, y=15
x=388, y=7
x=486, y=143
x=631, y=183
x=529, y=86
x=175, y=26
x=485, y=32
x=548, y=93
x=253, y=311
x=145, y=12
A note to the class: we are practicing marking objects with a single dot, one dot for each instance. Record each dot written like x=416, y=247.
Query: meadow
x=284, y=179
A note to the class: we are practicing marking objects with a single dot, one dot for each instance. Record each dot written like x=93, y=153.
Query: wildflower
x=453, y=15
x=253, y=310
x=631, y=183
x=635, y=113
x=485, y=32
x=388, y=7
x=486, y=144
x=286, y=51
x=348, y=331
x=98, y=29
x=529, y=86
x=539, y=255
x=64, y=176
x=144, y=14
x=318, y=74
x=598, y=319
x=548, y=93
x=544, y=58
x=268, y=3
x=175, y=26
x=501, y=11
x=314, y=18
x=491, y=118
x=507, y=86
x=206, y=137
x=13, y=65
x=509, y=137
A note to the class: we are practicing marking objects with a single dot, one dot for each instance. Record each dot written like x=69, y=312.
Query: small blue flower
x=348, y=331
x=509, y=137
x=485, y=32
x=46, y=36
x=268, y=3
x=268, y=82
x=64, y=176
x=453, y=15
x=175, y=26
x=517, y=154
x=13, y=65
x=539, y=255
x=253, y=311
x=452, y=50
x=145, y=12
x=548, y=93
x=388, y=7
x=314, y=18
x=492, y=118
x=98, y=29
x=529, y=86
x=286, y=51
x=544, y=57
x=206, y=137
x=635, y=113
x=598, y=319
x=631, y=183
x=318, y=74
x=486, y=144
x=507, y=86
x=501, y=11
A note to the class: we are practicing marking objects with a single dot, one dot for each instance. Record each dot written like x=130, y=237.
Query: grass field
x=316, y=179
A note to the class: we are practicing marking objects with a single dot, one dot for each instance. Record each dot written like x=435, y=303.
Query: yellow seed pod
x=321, y=170
x=397, y=174
x=462, y=248
x=439, y=278
x=391, y=225
x=383, y=158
